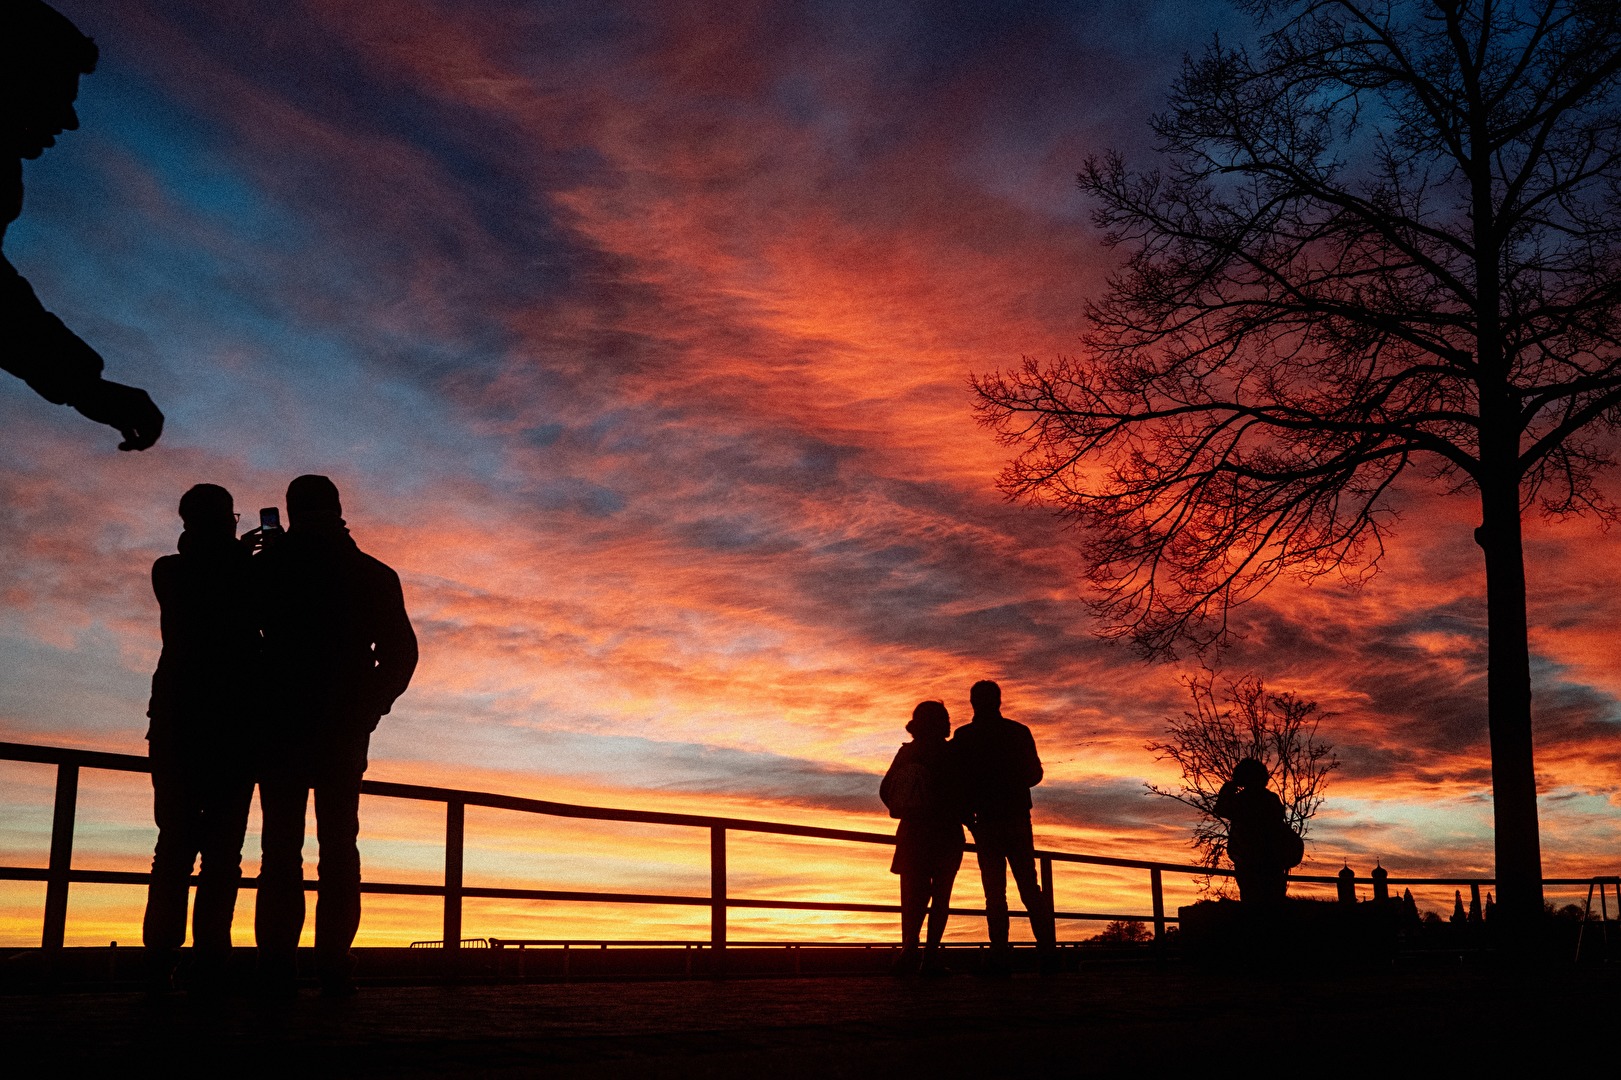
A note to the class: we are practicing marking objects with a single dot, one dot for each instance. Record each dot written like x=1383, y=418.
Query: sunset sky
x=638, y=337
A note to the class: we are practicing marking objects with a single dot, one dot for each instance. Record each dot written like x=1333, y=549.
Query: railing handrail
x=60, y=873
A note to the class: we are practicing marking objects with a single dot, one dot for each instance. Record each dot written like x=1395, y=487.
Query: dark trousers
x=1263, y=887
x=928, y=894
x=1003, y=844
x=283, y=798
x=201, y=804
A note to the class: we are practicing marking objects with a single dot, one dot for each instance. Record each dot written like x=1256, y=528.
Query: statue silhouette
x=339, y=650
x=999, y=765
x=199, y=740
x=42, y=55
x=922, y=789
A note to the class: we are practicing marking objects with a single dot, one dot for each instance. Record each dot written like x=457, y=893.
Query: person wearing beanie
x=42, y=55
x=199, y=741
x=339, y=650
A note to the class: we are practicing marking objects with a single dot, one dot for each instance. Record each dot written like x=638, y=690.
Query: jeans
x=925, y=893
x=200, y=802
x=1003, y=844
x=283, y=797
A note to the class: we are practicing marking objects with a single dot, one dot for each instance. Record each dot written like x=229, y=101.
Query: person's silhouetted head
x=207, y=508
x=42, y=55
x=986, y=698
x=312, y=502
x=1250, y=773
x=930, y=720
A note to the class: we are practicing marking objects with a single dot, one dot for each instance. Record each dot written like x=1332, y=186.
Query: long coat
x=929, y=839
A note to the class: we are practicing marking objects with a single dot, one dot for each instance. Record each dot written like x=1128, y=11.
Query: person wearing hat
x=201, y=714
x=42, y=55
x=339, y=650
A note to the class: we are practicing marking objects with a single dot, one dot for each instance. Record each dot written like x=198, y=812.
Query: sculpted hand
x=127, y=408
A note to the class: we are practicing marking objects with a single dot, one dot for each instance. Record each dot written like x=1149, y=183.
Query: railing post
x=1047, y=880
x=1156, y=885
x=717, y=886
x=455, y=830
x=56, y=882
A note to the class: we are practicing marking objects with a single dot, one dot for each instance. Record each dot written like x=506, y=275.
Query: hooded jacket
x=207, y=679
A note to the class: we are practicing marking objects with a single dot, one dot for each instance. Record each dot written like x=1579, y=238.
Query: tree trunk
x=1508, y=709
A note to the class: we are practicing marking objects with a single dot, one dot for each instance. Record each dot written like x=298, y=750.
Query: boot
x=160, y=969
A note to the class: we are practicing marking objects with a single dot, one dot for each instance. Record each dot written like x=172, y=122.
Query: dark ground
x=1111, y=1018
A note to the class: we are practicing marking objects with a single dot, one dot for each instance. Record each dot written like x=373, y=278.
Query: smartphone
x=270, y=519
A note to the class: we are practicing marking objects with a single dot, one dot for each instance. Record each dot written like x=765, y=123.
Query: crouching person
x=923, y=791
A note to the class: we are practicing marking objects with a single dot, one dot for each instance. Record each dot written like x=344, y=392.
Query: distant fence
x=59, y=875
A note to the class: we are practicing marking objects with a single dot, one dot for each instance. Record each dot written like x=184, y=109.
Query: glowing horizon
x=638, y=342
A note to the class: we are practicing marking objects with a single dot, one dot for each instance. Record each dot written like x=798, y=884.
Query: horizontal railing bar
x=130, y=877
x=64, y=755
x=98, y=759
x=705, y=943
x=391, y=888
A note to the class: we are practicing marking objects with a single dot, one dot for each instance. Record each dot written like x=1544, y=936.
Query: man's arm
x=1031, y=765
x=394, y=643
x=39, y=349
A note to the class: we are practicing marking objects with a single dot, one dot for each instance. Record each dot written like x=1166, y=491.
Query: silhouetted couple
x=980, y=777
x=276, y=668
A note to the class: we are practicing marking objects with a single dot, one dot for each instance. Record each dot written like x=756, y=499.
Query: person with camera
x=199, y=742
x=339, y=650
x=42, y=55
x=1260, y=842
x=923, y=790
x=999, y=765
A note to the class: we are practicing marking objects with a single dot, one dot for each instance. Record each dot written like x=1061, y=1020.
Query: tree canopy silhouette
x=1383, y=245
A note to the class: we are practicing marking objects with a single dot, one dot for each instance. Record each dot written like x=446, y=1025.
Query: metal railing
x=59, y=874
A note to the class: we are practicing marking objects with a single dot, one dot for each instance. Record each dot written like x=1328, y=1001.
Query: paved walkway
x=1115, y=1020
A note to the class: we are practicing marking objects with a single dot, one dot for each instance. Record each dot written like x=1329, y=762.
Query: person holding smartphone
x=202, y=719
x=339, y=649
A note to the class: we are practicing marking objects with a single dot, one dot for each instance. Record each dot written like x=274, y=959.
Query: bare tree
x=1278, y=730
x=1384, y=246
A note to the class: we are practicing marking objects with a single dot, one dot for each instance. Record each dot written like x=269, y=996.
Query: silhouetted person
x=42, y=55
x=338, y=651
x=1255, y=841
x=923, y=790
x=999, y=765
x=201, y=724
